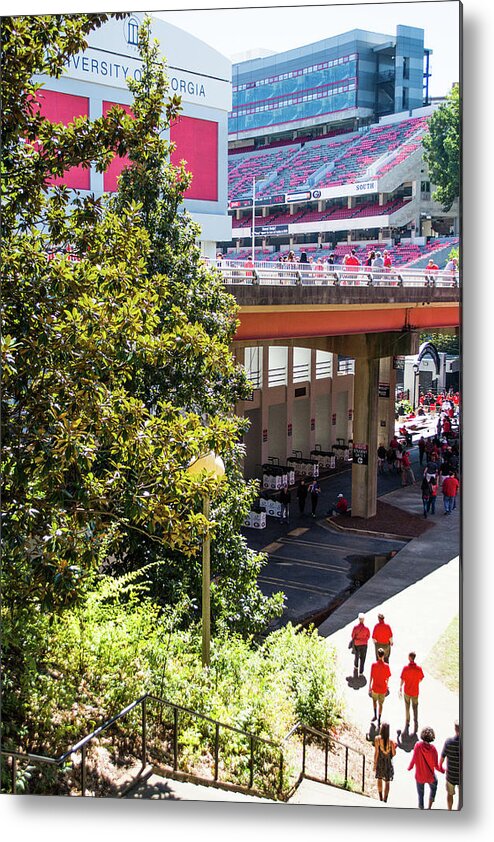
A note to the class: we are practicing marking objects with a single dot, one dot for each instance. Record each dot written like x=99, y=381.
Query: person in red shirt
x=341, y=505
x=426, y=761
x=407, y=475
x=248, y=265
x=360, y=639
x=378, y=685
x=432, y=268
x=450, y=490
x=351, y=259
x=411, y=676
x=382, y=637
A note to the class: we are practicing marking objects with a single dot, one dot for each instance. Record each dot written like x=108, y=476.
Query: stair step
x=311, y=792
x=157, y=787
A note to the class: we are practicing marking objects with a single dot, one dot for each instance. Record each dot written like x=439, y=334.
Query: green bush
x=83, y=666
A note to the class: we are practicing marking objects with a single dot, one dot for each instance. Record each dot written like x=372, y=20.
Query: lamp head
x=210, y=463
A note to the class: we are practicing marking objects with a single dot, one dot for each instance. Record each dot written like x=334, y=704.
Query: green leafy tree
x=188, y=290
x=442, y=147
x=97, y=426
x=448, y=343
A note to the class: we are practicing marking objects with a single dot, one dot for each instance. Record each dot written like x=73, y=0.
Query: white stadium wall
x=96, y=79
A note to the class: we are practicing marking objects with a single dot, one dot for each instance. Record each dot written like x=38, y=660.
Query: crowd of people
x=425, y=760
x=438, y=467
x=379, y=262
x=439, y=452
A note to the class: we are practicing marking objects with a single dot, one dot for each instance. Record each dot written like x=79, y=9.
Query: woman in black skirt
x=385, y=750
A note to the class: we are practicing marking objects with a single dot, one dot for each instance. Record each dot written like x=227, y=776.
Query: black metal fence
x=157, y=731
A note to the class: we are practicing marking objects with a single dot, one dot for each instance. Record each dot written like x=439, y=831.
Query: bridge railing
x=292, y=274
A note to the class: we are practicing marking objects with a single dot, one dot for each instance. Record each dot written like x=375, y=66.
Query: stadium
x=325, y=157
x=325, y=152
x=316, y=151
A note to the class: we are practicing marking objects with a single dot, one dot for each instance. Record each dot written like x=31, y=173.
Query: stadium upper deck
x=323, y=163
x=325, y=147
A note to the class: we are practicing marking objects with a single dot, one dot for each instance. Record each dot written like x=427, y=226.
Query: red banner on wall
x=118, y=164
x=197, y=144
x=64, y=108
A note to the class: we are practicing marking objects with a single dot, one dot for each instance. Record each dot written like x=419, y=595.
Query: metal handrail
x=295, y=274
x=307, y=729
x=82, y=744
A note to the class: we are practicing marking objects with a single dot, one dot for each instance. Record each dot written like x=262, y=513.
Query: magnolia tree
x=117, y=366
x=442, y=149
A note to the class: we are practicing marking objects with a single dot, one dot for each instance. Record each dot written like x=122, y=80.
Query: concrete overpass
x=372, y=324
x=269, y=313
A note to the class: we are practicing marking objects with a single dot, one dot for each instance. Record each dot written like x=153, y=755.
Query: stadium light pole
x=253, y=219
x=212, y=465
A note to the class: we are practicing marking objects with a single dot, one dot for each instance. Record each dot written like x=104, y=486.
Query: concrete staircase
x=151, y=785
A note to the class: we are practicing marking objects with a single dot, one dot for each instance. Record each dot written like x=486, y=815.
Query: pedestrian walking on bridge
x=450, y=490
x=315, y=491
x=384, y=751
x=382, y=637
x=302, y=496
x=451, y=753
x=407, y=475
x=360, y=639
x=425, y=761
x=285, y=499
x=411, y=676
x=378, y=685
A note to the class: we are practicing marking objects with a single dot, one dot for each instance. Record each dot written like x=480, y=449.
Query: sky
x=236, y=26
x=277, y=27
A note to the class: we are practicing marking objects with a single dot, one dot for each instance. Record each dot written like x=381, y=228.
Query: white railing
x=293, y=274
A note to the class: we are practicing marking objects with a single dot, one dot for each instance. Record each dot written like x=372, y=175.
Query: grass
x=443, y=661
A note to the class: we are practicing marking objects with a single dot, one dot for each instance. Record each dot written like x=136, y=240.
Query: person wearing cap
x=411, y=676
x=378, y=684
x=360, y=639
x=452, y=754
x=378, y=261
x=341, y=506
x=382, y=637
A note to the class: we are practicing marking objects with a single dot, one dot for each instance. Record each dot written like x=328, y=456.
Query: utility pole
x=253, y=219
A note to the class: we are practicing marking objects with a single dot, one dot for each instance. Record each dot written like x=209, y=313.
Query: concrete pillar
x=312, y=400
x=289, y=404
x=265, y=406
x=364, y=476
x=386, y=407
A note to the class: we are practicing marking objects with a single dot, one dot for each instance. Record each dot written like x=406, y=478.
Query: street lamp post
x=415, y=378
x=211, y=465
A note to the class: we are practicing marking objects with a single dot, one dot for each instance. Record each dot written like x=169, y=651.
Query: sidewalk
x=418, y=592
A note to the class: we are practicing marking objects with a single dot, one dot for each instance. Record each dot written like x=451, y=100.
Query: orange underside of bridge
x=291, y=323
